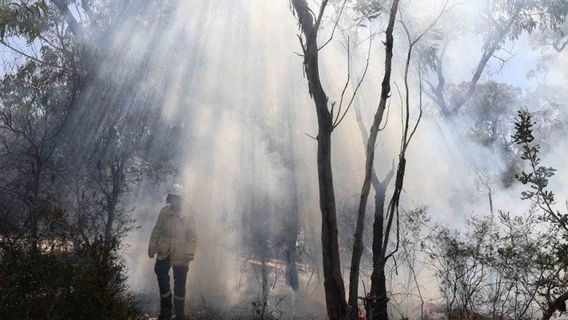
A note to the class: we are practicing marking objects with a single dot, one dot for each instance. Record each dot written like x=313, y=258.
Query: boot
x=179, y=308
x=165, y=308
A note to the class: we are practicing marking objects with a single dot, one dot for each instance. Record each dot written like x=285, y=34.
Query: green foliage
x=64, y=181
x=23, y=19
x=527, y=15
x=513, y=265
x=523, y=128
x=538, y=177
x=64, y=283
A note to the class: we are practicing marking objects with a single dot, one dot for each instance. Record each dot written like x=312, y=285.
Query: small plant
x=538, y=175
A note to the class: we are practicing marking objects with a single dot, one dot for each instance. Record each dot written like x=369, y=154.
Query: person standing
x=174, y=240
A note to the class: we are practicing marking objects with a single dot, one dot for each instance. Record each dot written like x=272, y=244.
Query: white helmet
x=175, y=190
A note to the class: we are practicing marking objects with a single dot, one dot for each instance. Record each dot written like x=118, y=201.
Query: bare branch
x=320, y=15
x=386, y=117
x=338, y=121
x=346, y=82
x=334, y=26
x=315, y=138
x=419, y=104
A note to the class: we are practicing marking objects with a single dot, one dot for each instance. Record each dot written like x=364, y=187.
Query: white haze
x=229, y=70
x=243, y=77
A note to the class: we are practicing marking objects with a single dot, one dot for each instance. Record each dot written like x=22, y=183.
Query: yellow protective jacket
x=174, y=235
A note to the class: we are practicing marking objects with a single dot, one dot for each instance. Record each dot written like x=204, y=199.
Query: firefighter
x=174, y=240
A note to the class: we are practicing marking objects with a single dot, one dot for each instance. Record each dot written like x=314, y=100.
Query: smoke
x=226, y=73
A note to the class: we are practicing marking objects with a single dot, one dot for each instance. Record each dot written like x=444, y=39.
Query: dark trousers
x=162, y=269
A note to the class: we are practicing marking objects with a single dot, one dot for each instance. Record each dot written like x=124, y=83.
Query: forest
x=284, y=159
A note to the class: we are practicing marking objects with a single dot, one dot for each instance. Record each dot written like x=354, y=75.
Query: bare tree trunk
x=378, y=295
x=370, y=157
x=333, y=281
x=292, y=238
x=380, y=194
x=377, y=305
x=378, y=275
x=292, y=219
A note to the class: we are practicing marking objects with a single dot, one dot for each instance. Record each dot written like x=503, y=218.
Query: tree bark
x=333, y=281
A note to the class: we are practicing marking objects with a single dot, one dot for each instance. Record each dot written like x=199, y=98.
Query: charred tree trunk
x=378, y=276
x=292, y=219
x=380, y=189
x=378, y=298
x=370, y=157
x=292, y=238
x=377, y=304
x=333, y=281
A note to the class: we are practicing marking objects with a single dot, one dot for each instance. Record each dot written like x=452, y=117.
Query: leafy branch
x=538, y=176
